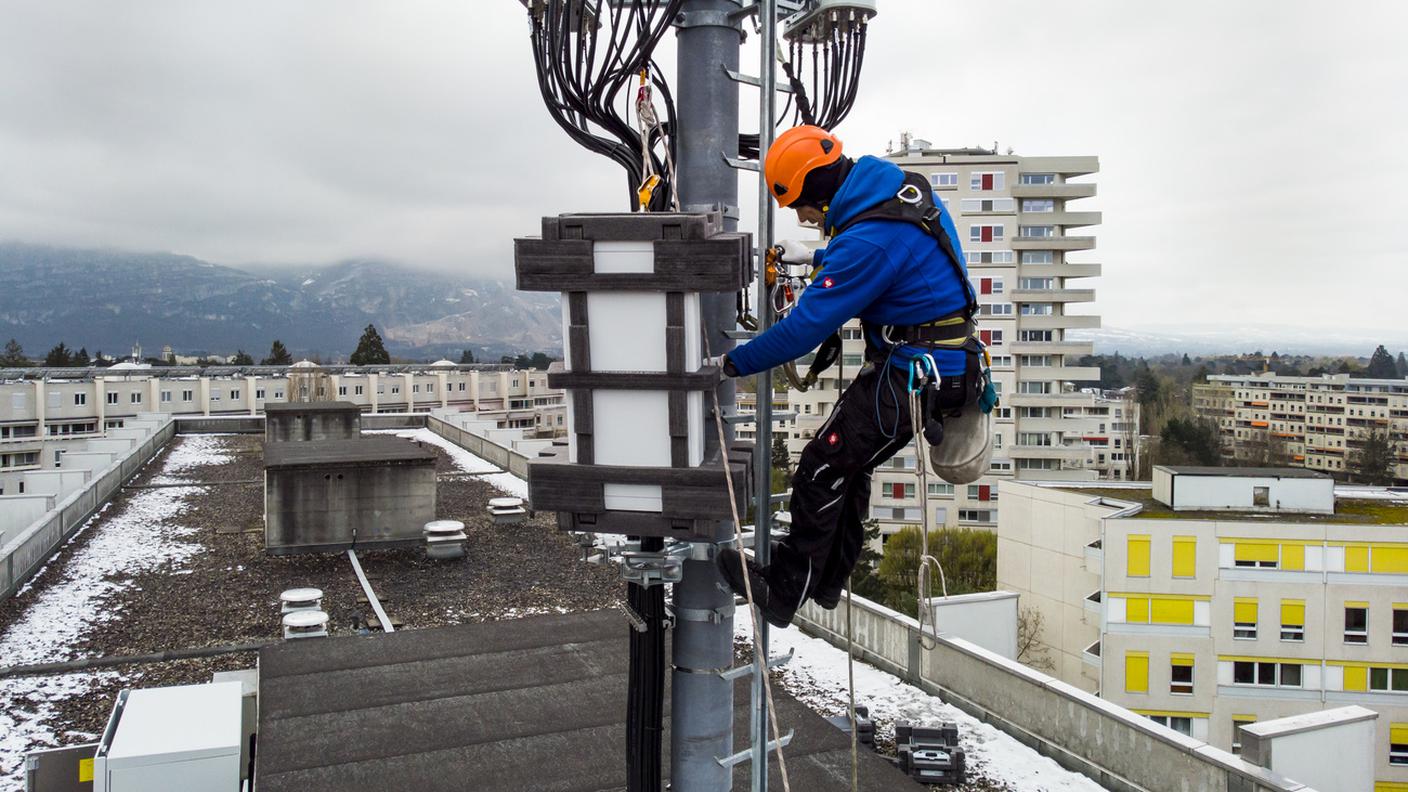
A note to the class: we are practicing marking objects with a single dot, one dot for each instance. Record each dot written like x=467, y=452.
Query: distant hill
x=1234, y=339
x=107, y=299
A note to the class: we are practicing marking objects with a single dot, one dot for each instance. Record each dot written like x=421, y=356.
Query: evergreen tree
x=81, y=359
x=1402, y=365
x=278, y=355
x=781, y=459
x=1186, y=361
x=1381, y=365
x=864, y=581
x=370, y=350
x=13, y=355
x=1190, y=441
x=1373, y=462
x=467, y=356
x=242, y=358
x=968, y=558
x=59, y=357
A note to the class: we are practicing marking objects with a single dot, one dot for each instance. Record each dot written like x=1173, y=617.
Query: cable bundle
x=591, y=59
x=645, y=707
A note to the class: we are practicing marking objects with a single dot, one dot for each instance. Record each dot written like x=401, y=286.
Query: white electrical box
x=172, y=739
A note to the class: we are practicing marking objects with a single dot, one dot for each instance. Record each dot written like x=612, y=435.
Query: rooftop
x=310, y=407
x=361, y=451
x=1348, y=511
x=1245, y=472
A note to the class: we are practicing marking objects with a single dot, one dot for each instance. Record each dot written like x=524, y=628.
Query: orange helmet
x=797, y=152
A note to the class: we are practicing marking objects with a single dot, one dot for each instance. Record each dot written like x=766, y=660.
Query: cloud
x=1251, y=152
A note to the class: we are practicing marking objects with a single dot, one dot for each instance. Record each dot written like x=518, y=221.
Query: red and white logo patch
x=833, y=438
x=827, y=283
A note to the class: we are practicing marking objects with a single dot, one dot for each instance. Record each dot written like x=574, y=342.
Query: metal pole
x=762, y=458
x=707, y=101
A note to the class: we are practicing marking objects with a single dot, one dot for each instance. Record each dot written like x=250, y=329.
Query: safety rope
x=851, y=687
x=759, y=658
x=927, y=562
x=648, y=123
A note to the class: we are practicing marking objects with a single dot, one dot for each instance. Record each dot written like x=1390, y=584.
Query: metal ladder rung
x=746, y=754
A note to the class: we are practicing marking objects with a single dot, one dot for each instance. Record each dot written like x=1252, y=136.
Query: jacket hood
x=871, y=181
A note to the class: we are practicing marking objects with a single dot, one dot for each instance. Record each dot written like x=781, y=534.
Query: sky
x=1252, y=153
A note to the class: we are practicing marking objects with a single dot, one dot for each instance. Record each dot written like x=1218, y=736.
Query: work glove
x=794, y=252
x=723, y=364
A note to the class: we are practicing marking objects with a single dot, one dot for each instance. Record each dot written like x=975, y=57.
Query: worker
x=894, y=261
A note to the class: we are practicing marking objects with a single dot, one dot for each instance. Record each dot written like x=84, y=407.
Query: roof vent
x=506, y=511
x=301, y=599
x=444, y=539
x=305, y=624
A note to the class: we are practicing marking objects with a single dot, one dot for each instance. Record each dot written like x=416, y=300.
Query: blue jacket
x=887, y=272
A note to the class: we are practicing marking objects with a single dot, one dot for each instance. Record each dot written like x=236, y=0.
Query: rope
x=758, y=657
x=851, y=688
x=926, y=562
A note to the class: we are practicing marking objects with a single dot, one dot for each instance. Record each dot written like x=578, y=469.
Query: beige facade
x=40, y=414
x=1316, y=422
x=1205, y=619
x=1018, y=226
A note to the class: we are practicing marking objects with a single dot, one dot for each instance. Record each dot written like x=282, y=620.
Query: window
x=341, y=390
x=1392, y=680
x=988, y=181
x=1181, y=674
x=1036, y=283
x=1244, y=617
x=187, y=395
x=985, y=233
x=1036, y=336
x=987, y=285
x=1037, y=178
x=990, y=337
x=1137, y=556
x=1356, y=622
x=987, y=204
x=1266, y=673
x=1398, y=744
x=165, y=396
x=358, y=389
x=214, y=395
x=396, y=389
x=1136, y=672
x=1027, y=386
x=234, y=394
x=900, y=491
x=112, y=397
x=1238, y=721
x=135, y=397
x=259, y=394
x=995, y=309
x=1185, y=556
x=415, y=388
x=1039, y=361
x=975, y=515
x=1400, y=624
x=1179, y=723
x=941, y=490
x=1257, y=554
x=1034, y=439
x=1037, y=309
x=991, y=256
x=80, y=399
x=278, y=394
x=1038, y=205
x=1261, y=496
x=1038, y=257
x=943, y=179
x=1036, y=231
x=982, y=492
x=1292, y=620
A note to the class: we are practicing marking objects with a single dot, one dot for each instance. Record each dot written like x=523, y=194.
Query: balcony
x=1091, y=655
x=1067, y=191
x=1046, y=424
x=1054, y=243
x=1048, y=399
x=1053, y=295
x=1052, y=347
x=1061, y=373
x=1079, y=453
x=1067, y=219
x=1066, y=166
x=1060, y=322
x=1095, y=558
x=1067, y=270
x=1092, y=603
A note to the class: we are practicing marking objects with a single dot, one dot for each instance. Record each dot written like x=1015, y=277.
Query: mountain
x=107, y=299
x=1238, y=339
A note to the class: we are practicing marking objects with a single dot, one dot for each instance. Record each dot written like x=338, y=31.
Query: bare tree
x=1031, y=651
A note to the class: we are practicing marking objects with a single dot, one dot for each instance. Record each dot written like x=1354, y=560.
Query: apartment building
x=42, y=409
x=1218, y=597
x=1315, y=422
x=1016, y=220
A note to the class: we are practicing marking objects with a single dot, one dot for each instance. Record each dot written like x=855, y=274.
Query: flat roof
x=1244, y=472
x=523, y=704
x=1348, y=511
x=310, y=407
x=358, y=451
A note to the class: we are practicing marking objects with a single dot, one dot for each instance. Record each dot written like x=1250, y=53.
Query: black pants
x=831, y=488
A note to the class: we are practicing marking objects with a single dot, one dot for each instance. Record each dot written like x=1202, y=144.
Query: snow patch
x=467, y=462
x=816, y=676
x=144, y=535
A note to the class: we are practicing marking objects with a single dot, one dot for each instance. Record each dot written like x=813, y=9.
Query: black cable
x=645, y=706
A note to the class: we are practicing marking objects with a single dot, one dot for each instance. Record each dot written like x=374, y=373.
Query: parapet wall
x=1119, y=749
x=25, y=551
x=472, y=439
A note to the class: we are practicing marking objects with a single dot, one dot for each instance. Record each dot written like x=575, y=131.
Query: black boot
x=827, y=599
x=777, y=604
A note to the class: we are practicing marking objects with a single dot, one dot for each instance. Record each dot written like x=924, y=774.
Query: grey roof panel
x=1245, y=472
x=359, y=451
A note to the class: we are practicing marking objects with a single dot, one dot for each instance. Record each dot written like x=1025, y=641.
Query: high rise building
x=1220, y=596
x=1315, y=422
x=1017, y=228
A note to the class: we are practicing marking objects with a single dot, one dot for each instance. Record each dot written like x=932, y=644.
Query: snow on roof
x=464, y=460
x=304, y=364
x=443, y=363
x=128, y=365
x=816, y=676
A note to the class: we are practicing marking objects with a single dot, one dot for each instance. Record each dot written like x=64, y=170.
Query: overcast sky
x=1253, y=155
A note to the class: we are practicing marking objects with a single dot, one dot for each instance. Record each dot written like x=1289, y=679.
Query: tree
x=864, y=581
x=781, y=457
x=1031, y=650
x=1373, y=462
x=1402, y=365
x=242, y=358
x=1190, y=441
x=13, y=355
x=370, y=350
x=968, y=558
x=278, y=355
x=467, y=356
x=81, y=359
x=59, y=357
x=1381, y=365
